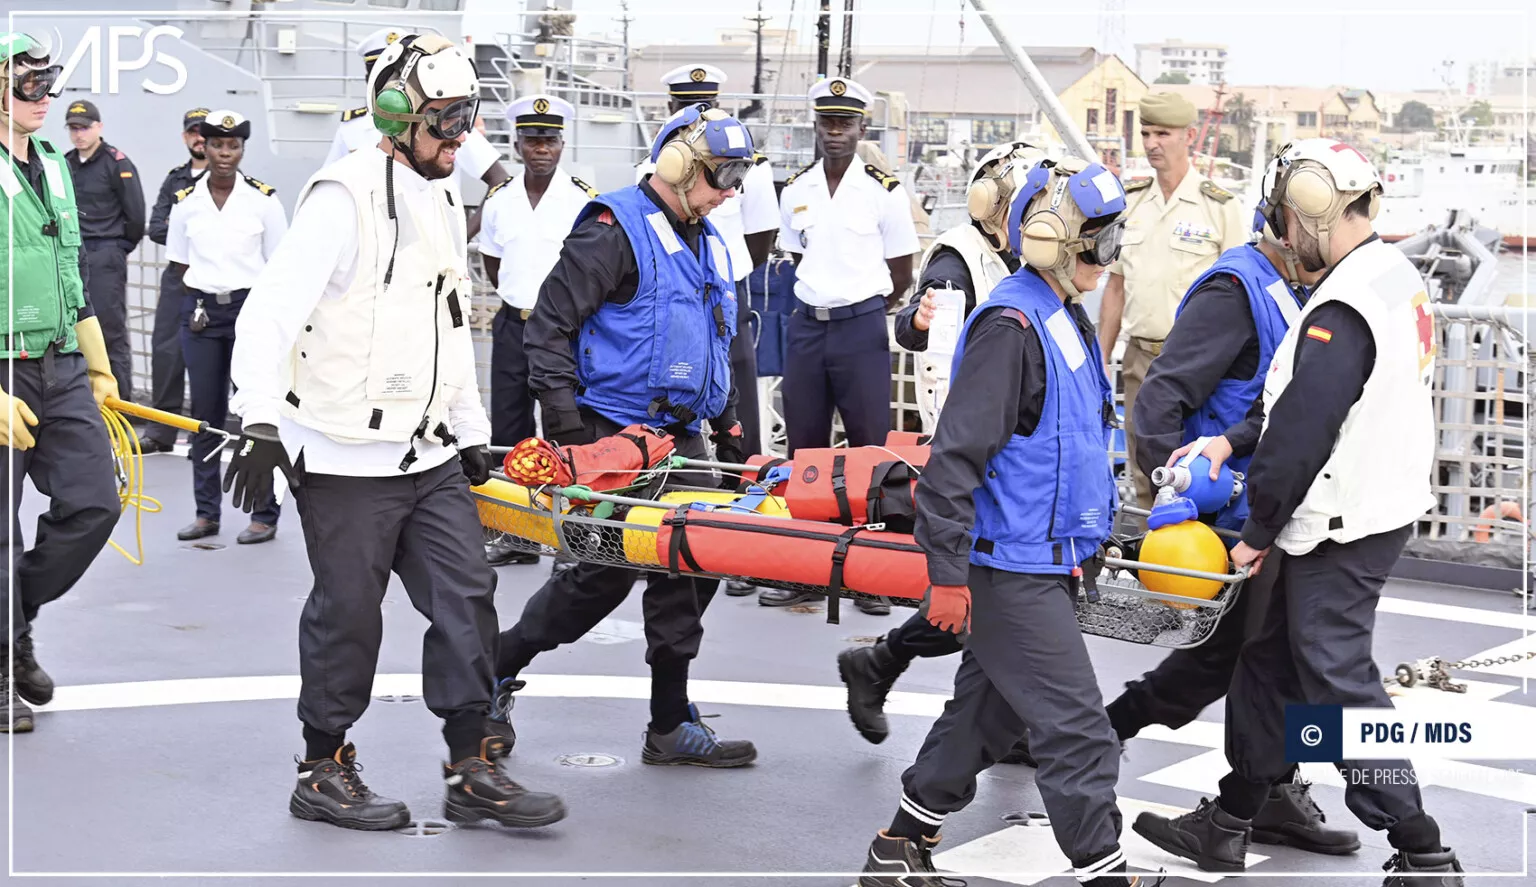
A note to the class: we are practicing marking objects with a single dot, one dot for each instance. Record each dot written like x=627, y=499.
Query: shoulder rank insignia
x=186, y=192
x=591, y=191
x=496, y=187
x=259, y=185
x=1016, y=316
x=759, y=158
x=1211, y=190
x=796, y=174
x=118, y=155
x=1137, y=184
x=353, y=114
x=887, y=181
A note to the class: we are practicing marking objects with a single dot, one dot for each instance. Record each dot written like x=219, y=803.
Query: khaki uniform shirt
x=1169, y=243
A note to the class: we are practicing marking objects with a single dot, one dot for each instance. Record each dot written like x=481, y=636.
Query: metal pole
x=845, y=59
x=823, y=37
x=1035, y=81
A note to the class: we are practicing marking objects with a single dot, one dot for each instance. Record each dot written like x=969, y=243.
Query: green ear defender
x=391, y=101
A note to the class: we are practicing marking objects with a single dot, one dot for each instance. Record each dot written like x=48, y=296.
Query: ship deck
x=170, y=744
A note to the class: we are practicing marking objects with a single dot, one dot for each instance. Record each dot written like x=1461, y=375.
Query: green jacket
x=40, y=244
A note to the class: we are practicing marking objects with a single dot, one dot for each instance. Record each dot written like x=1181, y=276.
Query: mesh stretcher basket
x=604, y=530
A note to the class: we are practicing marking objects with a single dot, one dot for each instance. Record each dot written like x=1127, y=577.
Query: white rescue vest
x=382, y=363
x=1378, y=477
x=987, y=270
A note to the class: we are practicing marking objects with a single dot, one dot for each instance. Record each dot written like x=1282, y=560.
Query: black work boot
x=17, y=717
x=738, y=588
x=1117, y=877
x=32, y=683
x=903, y=863
x=1209, y=837
x=1019, y=754
x=478, y=788
x=499, y=722
x=1291, y=817
x=788, y=597
x=870, y=672
x=693, y=743
x=1419, y=864
x=330, y=790
x=500, y=552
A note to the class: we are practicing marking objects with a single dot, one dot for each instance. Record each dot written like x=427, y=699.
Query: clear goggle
x=30, y=75
x=727, y=174
x=452, y=121
x=1102, y=247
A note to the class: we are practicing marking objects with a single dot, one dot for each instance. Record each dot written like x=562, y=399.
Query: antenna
x=624, y=20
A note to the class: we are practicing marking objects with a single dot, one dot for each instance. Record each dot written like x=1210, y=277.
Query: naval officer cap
x=840, y=97
x=539, y=112
x=1167, y=109
x=223, y=124
x=691, y=82
x=374, y=44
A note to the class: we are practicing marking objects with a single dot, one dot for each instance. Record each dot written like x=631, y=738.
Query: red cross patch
x=1350, y=148
x=1425, y=323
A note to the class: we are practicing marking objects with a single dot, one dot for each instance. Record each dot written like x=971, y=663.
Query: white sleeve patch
x=664, y=233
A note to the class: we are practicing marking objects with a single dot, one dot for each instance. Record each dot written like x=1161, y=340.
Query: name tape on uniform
x=1455, y=728
x=664, y=233
x=1064, y=331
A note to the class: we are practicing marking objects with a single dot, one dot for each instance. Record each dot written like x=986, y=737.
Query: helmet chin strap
x=1065, y=279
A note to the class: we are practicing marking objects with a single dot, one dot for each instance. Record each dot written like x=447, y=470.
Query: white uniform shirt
x=844, y=238
x=753, y=209
x=471, y=161
x=224, y=249
x=525, y=238
x=318, y=261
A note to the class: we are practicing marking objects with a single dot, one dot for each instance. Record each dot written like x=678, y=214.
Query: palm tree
x=1239, y=113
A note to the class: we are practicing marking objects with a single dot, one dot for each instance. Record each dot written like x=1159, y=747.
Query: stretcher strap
x=678, y=521
x=835, y=581
x=767, y=474
x=840, y=490
x=895, y=507
x=645, y=450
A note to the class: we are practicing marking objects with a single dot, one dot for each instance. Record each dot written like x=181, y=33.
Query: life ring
x=1503, y=511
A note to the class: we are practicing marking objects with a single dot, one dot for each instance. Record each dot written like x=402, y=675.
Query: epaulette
x=796, y=174
x=1137, y=184
x=758, y=158
x=259, y=185
x=1212, y=190
x=353, y=114
x=185, y=192
x=886, y=180
x=1015, y=314
x=591, y=191
x=496, y=187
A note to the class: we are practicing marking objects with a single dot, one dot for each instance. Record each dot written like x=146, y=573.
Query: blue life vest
x=1048, y=500
x=1229, y=403
x=664, y=357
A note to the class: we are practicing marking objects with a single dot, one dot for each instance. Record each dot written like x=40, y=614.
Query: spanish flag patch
x=1320, y=334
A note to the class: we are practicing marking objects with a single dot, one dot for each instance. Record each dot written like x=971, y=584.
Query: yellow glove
x=97, y=366
x=13, y=430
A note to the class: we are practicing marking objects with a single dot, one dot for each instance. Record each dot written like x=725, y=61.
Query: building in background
x=1168, y=61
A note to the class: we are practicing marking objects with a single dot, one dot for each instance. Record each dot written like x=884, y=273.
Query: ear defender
x=1042, y=239
x=392, y=101
x=983, y=197
x=675, y=163
x=1309, y=192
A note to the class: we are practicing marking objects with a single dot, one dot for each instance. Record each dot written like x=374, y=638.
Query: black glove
x=476, y=462
x=564, y=428
x=258, y=451
x=728, y=448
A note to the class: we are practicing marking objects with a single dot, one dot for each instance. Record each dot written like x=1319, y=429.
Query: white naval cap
x=224, y=123
x=374, y=44
x=693, y=82
x=540, y=111
x=840, y=96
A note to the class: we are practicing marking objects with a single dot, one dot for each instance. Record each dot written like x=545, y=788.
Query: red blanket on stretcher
x=611, y=463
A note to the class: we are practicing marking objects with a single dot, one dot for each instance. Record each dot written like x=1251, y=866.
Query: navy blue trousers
x=843, y=362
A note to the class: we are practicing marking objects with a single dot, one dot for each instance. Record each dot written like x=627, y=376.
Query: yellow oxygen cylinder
x=532, y=520
x=1187, y=544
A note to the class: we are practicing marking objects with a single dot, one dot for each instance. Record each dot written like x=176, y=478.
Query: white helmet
x=993, y=184
x=1317, y=179
x=418, y=69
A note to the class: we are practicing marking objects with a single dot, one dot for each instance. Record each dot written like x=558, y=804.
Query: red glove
x=949, y=607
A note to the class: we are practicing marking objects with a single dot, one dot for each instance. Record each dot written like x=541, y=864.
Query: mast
x=756, y=105
x=845, y=59
x=1035, y=81
x=823, y=37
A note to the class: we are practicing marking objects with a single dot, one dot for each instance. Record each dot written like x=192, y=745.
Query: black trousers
x=573, y=601
x=424, y=528
x=843, y=363
x=71, y=464
x=511, y=400
x=744, y=371
x=1025, y=666
x=168, y=368
x=1315, y=648
x=107, y=261
x=208, y=356
x=1188, y=681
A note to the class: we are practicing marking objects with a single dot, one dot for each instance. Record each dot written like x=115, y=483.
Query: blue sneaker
x=693, y=743
x=499, y=721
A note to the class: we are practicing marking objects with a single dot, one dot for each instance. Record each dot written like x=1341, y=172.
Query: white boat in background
x=1486, y=181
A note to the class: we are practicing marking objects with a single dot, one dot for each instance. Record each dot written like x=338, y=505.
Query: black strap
x=374, y=420
x=678, y=521
x=840, y=490
x=645, y=449
x=835, y=581
x=292, y=398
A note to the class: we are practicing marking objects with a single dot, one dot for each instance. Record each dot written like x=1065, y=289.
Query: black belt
x=220, y=298
x=844, y=312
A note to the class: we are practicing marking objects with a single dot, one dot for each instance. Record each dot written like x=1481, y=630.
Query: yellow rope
x=128, y=464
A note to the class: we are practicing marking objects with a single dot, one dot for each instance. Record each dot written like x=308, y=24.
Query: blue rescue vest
x=664, y=357
x=1049, y=498
x=1270, y=300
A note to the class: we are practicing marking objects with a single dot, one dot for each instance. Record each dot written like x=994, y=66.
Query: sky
x=1386, y=46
